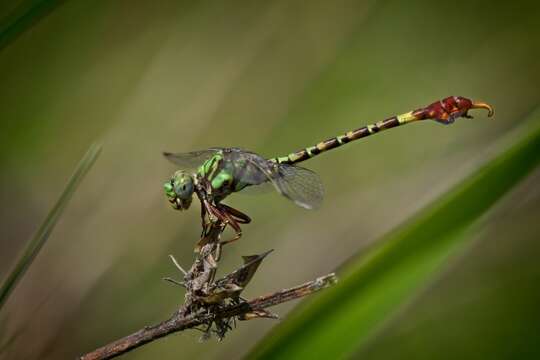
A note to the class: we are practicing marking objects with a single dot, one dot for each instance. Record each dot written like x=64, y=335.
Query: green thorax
x=223, y=174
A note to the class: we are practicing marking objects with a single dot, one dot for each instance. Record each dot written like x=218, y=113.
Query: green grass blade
x=372, y=287
x=27, y=14
x=44, y=231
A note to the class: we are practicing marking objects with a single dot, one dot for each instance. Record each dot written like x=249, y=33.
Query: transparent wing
x=250, y=168
x=190, y=160
x=259, y=189
x=300, y=185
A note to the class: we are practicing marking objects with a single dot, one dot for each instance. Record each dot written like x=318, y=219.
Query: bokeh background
x=271, y=76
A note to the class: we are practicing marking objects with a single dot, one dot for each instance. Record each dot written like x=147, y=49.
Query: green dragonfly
x=215, y=173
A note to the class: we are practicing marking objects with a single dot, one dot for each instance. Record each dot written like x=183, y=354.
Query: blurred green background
x=272, y=76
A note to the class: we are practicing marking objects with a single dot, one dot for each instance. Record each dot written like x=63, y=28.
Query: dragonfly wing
x=190, y=160
x=250, y=168
x=258, y=189
x=301, y=185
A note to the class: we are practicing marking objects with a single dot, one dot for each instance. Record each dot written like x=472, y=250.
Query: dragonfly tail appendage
x=482, y=105
x=445, y=111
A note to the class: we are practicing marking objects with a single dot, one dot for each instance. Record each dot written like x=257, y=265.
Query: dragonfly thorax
x=219, y=173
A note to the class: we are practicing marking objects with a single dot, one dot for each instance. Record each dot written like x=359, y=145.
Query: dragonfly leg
x=236, y=218
x=217, y=255
x=212, y=211
x=236, y=236
x=227, y=215
x=203, y=220
x=234, y=224
x=239, y=216
x=213, y=214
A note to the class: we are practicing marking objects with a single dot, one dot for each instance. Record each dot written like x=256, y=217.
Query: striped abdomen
x=444, y=111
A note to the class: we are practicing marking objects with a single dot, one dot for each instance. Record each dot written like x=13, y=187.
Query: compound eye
x=184, y=189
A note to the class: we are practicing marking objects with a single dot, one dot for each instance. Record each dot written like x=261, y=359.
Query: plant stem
x=180, y=322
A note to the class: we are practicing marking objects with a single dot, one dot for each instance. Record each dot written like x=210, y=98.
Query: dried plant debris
x=209, y=295
x=212, y=305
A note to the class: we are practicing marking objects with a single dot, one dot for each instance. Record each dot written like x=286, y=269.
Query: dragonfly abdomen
x=340, y=140
x=444, y=111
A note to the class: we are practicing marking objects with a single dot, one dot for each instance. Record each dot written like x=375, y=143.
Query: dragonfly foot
x=236, y=237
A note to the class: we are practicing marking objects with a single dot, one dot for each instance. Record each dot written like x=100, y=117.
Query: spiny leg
x=239, y=216
x=236, y=217
x=234, y=224
x=216, y=223
x=203, y=219
x=207, y=210
x=218, y=213
x=229, y=216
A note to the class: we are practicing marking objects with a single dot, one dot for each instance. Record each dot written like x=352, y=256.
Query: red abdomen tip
x=447, y=110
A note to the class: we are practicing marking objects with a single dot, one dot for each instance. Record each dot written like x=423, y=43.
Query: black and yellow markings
x=340, y=140
x=406, y=118
x=312, y=151
x=282, y=159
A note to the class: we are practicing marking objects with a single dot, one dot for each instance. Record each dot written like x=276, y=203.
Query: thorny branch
x=212, y=304
x=179, y=322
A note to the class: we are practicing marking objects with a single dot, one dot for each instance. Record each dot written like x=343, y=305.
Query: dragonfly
x=215, y=173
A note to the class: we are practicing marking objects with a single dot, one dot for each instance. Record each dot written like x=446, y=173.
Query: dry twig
x=179, y=322
x=214, y=304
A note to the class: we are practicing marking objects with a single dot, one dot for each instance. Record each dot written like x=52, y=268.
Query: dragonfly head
x=179, y=190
